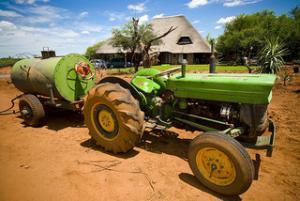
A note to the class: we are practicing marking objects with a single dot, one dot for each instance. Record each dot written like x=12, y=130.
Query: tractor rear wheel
x=113, y=117
x=32, y=110
x=221, y=163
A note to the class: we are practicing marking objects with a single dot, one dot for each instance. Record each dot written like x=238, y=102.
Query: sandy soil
x=5, y=70
x=59, y=161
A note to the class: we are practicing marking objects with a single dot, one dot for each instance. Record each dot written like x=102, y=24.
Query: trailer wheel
x=113, y=117
x=221, y=163
x=32, y=110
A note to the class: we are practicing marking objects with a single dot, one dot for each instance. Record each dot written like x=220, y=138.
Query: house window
x=184, y=40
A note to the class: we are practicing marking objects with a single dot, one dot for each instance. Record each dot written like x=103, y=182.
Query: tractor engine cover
x=231, y=88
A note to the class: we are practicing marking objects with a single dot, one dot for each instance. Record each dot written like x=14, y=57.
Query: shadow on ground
x=60, y=119
x=90, y=143
x=156, y=143
x=192, y=181
x=165, y=142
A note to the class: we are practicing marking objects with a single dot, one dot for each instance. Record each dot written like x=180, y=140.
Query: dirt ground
x=59, y=161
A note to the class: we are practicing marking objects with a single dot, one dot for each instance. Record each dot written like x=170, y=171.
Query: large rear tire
x=221, y=163
x=32, y=110
x=113, y=117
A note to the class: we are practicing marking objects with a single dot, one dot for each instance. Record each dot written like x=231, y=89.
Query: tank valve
x=83, y=69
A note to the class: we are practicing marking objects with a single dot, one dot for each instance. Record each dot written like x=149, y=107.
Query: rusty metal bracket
x=266, y=141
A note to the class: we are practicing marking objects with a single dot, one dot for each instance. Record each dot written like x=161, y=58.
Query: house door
x=181, y=57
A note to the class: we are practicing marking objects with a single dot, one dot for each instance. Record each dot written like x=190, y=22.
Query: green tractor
x=230, y=108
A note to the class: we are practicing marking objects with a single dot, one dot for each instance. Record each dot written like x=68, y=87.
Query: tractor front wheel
x=113, y=117
x=221, y=163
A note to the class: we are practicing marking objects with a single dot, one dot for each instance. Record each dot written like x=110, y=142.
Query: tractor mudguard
x=144, y=84
x=150, y=74
x=135, y=93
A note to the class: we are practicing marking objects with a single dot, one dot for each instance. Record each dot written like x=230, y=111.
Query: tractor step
x=265, y=141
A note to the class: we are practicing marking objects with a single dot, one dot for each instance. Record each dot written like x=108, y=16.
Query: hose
x=4, y=112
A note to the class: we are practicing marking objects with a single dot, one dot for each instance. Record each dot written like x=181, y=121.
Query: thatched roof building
x=185, y=42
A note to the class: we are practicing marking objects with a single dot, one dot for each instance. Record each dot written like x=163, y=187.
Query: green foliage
x=91, y=51
x=123, y=38
x=245, y=36
x=8, y=61
x=210, y=39
x=271, y=56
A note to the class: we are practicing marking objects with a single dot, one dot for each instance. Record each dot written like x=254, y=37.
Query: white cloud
x=8, y=13
x=143, y=19
x=29, y=1
x=55, y=31
x=25, y=1
x=43, y=14
x=41, y=25
x=83, y=14
x=218, y=27
x=91, y=28
x=226, y=3
x=233, y=3
x=197, y=3
x=49, y=11
x=139, y=7
x=85, y=32
x=158, y=16
x=6, y=25
x=195, y=21
x=224, y=20
x=114, y=16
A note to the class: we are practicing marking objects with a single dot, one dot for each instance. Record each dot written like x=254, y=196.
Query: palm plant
x=271, y=56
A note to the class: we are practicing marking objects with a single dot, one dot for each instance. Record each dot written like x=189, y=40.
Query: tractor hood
x=237, y=88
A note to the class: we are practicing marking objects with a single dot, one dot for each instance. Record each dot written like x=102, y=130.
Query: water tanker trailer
x=51, y=81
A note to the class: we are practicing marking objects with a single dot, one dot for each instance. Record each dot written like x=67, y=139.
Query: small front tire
x=221, y=163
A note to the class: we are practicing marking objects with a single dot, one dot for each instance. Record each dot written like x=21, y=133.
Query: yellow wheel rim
x=215, y=166
x=106, y=120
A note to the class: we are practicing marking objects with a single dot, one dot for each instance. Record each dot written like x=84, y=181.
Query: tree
x=248, y=32
x=91, y=51
x=271, y=56
x=146, y=46
x=137, y=38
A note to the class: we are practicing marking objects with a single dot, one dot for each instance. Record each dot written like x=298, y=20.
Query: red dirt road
x=59, y=162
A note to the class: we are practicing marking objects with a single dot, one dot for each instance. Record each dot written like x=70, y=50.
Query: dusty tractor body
x=230, y=108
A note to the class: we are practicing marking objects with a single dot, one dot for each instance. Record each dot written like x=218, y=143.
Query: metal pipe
x=212, y=59
x=183, y=67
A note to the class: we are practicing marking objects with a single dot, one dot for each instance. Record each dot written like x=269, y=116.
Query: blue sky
x=70, y=26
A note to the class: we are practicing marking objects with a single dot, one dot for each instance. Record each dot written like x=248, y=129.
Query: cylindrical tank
x=37, y=76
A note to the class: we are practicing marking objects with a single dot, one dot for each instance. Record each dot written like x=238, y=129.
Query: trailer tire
x=113, y=117
x=221, y=163
x=32, y=110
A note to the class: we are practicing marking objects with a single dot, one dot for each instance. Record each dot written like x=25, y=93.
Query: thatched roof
x=184, y=28
x=169, y=43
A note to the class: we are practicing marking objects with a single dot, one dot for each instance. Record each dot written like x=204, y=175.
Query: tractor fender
x=126, y=85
